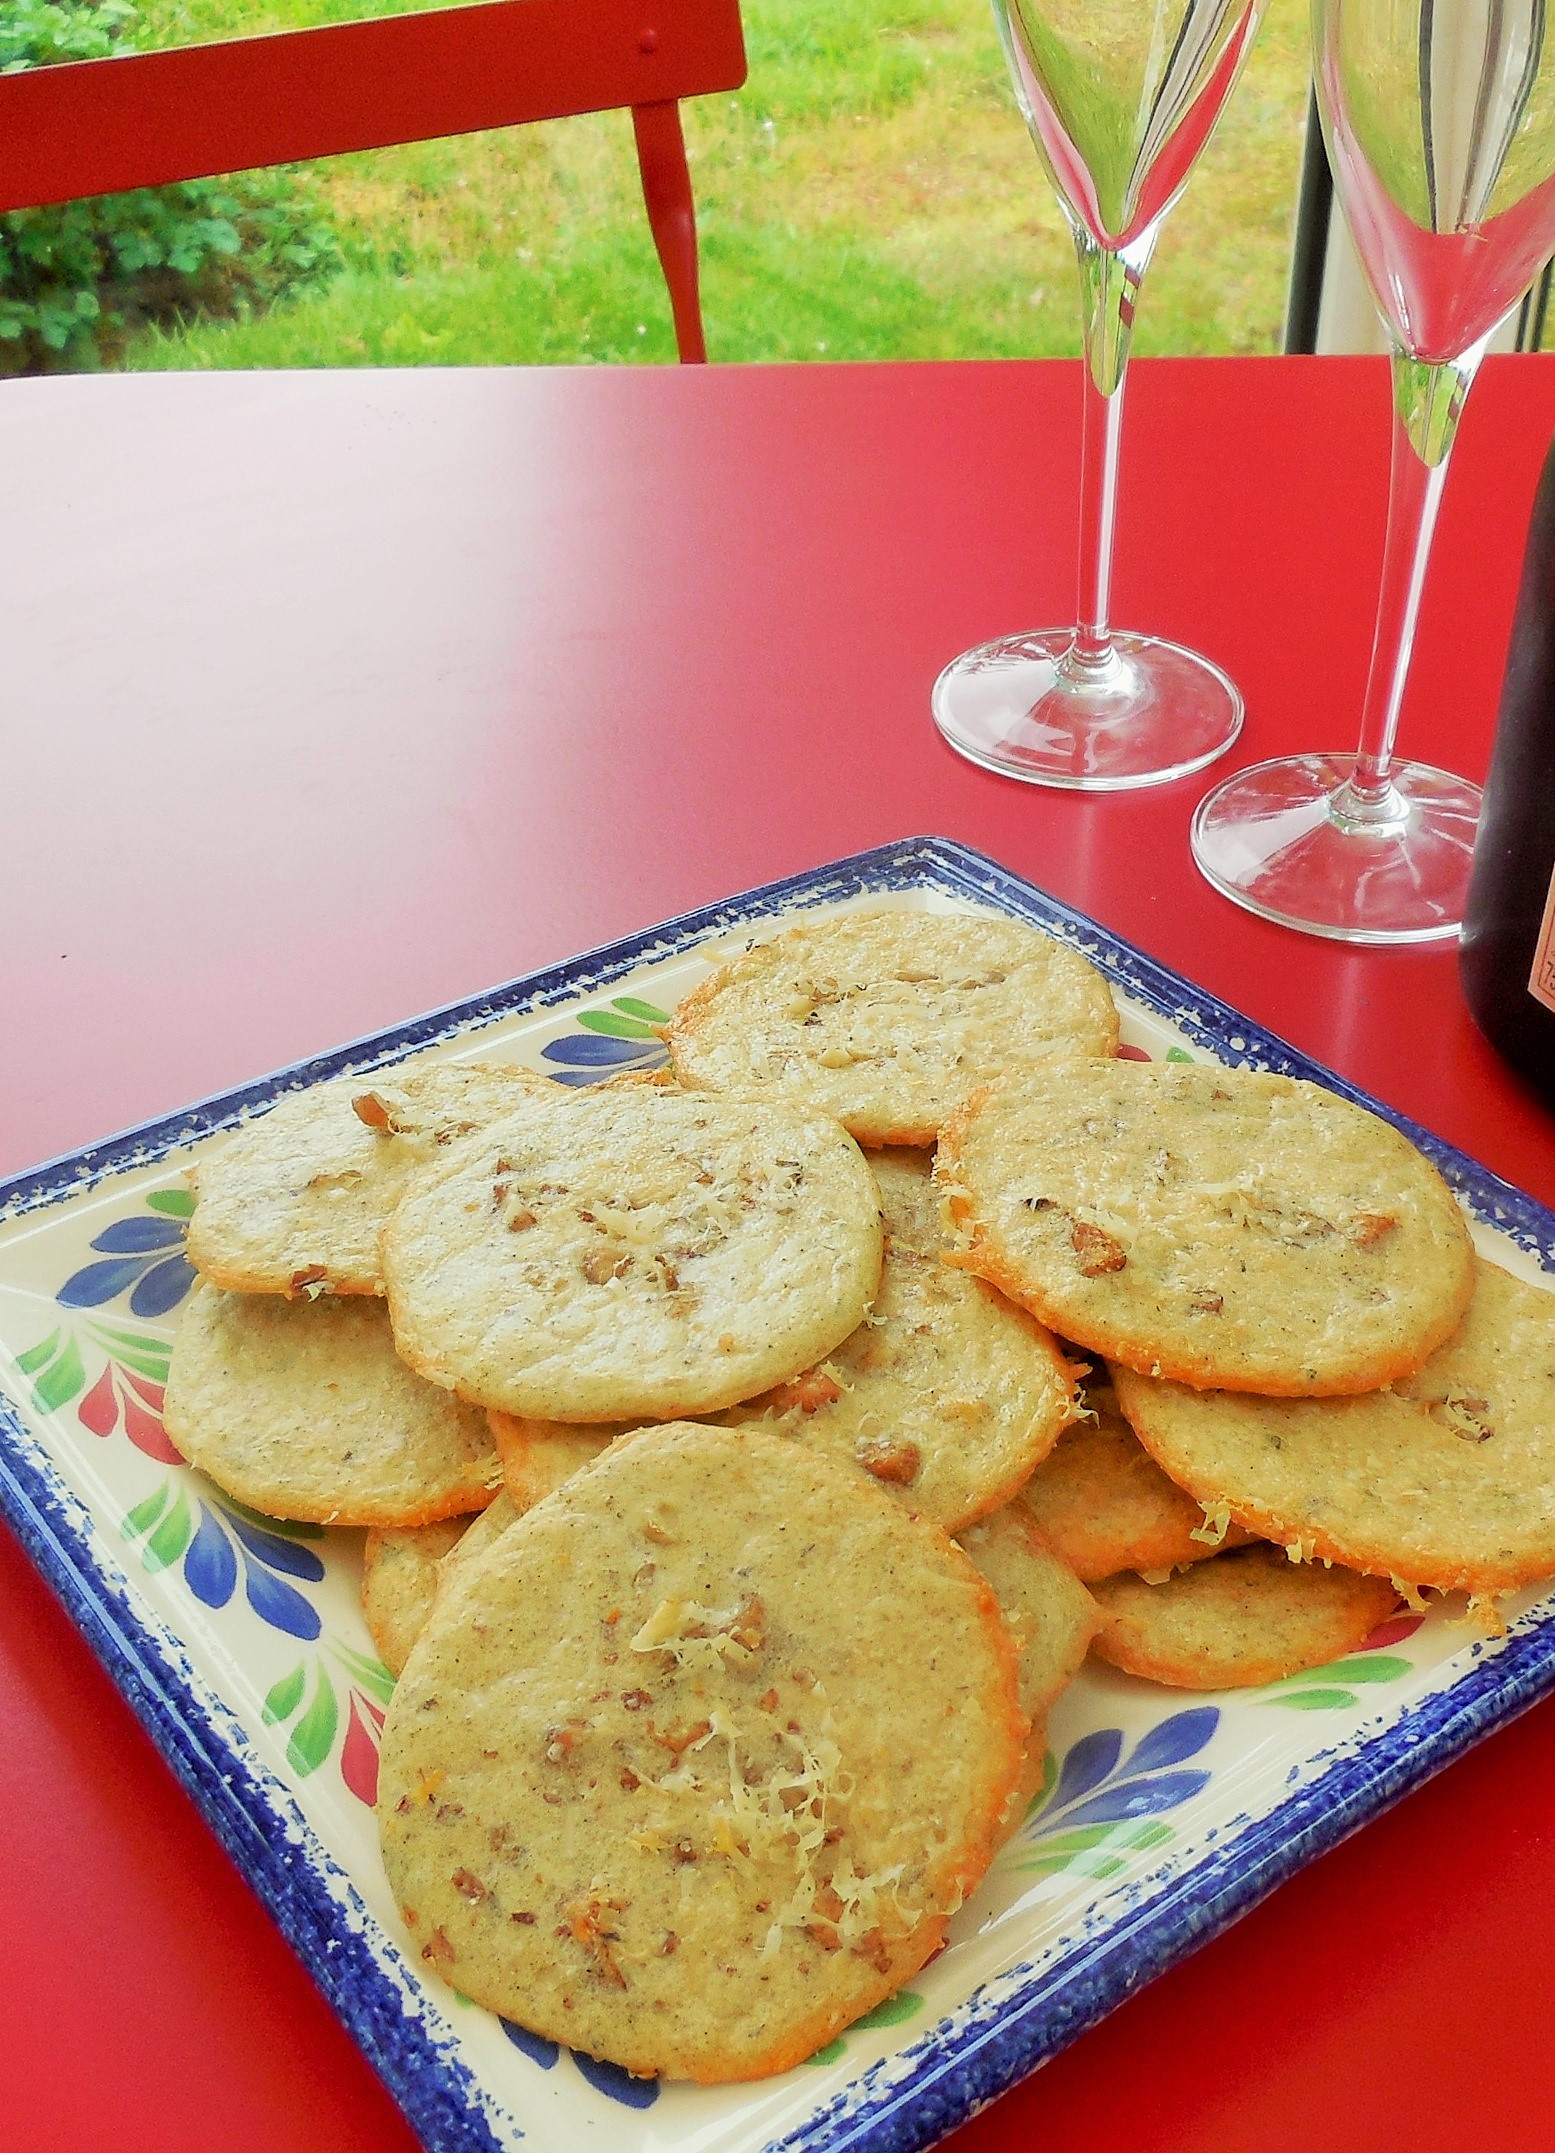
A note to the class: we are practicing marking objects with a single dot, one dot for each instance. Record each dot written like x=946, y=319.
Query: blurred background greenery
x=870, y=194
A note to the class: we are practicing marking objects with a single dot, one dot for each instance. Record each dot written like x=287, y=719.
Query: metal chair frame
x=144, y=119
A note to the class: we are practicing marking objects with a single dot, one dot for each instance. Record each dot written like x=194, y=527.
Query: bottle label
x=1541, y=979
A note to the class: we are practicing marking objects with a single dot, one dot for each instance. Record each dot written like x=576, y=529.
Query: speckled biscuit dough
x=1447, y=1479
x=1250, y=1616
x=296, y=1199
x=302, y=1409
x=654, y=1783
x=1051, y=1617
x=889, y=1019
x=947, y=1393
x=538, y=1455
x=1103, y=1504
x=1222, y=1228
x=660, y=1079
x=400, y=1568
x=403, y=1573
x=493, y=1521
x=634, y=1255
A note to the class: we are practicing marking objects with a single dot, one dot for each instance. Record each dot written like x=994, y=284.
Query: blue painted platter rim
x=949, y=2074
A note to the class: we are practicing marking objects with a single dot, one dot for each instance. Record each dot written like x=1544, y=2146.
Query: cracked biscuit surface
x=633, y=1255
x=889, y=1019
x=653, y=1782
x=1219, y=1227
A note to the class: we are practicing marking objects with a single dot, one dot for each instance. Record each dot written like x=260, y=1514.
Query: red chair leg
x=661, y=158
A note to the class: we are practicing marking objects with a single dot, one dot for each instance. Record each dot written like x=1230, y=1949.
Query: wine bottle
x=1507, y=951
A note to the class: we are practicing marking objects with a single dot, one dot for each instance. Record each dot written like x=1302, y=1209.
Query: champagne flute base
x=1287, y=840
x=1032, y=707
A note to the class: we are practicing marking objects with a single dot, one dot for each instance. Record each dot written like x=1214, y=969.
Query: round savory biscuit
x=492, y=1523
x=296, y=1199
x=633, y=1255
x=400, y=1567
x=1447, y=1479
x=659, y=1079
x=303, y=1409
x=947, y=1393
x=1051, y=1617
x=1102, y=1503
x=694, y=1765
x=538, y=1455
x=889, y=1019
x=1223, y=1228
x=1248, y=1617
x=403, y=1573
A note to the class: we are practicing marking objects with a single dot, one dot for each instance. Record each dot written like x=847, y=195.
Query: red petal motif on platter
x=146, y=1432
x=359, y=1754
x=99, y=1409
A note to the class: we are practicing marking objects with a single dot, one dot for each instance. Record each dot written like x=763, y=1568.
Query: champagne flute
x=1440, y=121
x=1120, y=97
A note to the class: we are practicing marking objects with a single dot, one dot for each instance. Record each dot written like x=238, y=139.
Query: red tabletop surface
x=325, y=699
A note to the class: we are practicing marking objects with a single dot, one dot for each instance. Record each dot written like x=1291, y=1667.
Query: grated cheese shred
x=1217, y=1523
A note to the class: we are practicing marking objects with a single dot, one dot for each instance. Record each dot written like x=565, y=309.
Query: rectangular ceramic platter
x=242, y=1647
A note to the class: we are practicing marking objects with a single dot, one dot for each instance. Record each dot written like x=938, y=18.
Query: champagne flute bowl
x=1120, y=97
x=1439, y=117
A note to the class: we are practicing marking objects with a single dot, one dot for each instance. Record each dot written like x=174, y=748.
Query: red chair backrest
x=99, y=126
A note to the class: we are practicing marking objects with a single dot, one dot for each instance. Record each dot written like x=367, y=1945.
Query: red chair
x=99, y=126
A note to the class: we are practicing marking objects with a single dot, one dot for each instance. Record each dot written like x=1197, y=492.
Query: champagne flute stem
x=1101, y=435
x=1428, y=398
x=1109, y=284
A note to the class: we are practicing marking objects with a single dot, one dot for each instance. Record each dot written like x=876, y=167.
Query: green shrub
x=77, y=279
x=40, y=33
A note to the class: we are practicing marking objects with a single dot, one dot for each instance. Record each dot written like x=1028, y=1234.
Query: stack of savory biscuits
x=285, y=1384
x=1293, y=1325
x=653, y=1782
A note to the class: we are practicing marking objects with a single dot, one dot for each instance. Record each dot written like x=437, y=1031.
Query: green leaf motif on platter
x=284, y=1696
x=172, y=1203
x=60, y=1380
x=313, y=1737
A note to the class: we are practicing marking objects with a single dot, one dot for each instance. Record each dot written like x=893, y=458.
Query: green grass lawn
x=871, y=193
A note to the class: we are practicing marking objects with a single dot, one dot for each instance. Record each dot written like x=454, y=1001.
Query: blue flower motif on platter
x=618, y=2085
x=534, y=2045
x=142, y=1256
x=1099, y=1806
x=214, y=1544
x=624, y=1036
x=606, y=2078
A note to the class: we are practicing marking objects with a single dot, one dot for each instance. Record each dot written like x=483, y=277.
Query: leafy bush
x=77, y=279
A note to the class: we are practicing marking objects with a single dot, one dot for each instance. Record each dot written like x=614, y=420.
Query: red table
x=328, y=698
